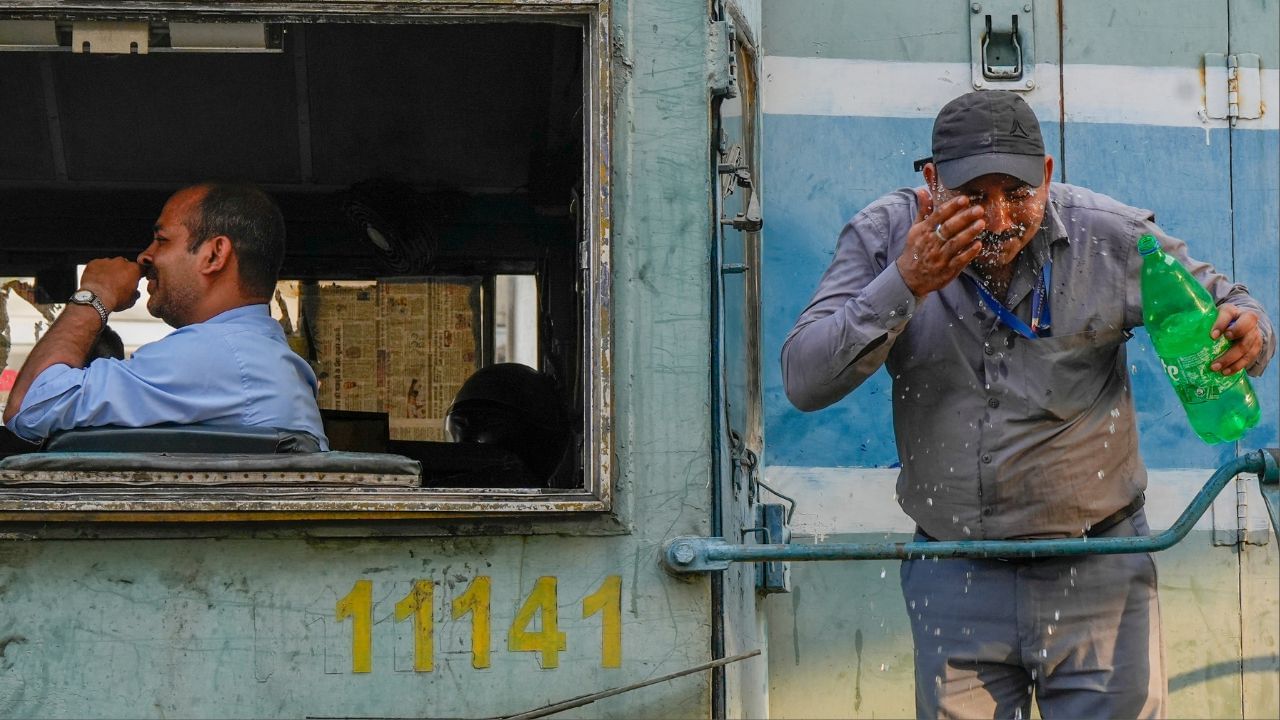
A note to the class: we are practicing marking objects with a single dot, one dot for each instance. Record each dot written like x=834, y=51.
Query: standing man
x=211, y=269
x=1000, y=304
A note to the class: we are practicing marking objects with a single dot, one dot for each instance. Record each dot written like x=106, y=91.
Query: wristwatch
x=88, y=297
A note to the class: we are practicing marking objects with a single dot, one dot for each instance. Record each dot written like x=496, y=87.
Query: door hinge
x=722, y=60
x=736, y=174
x=1233, y=86
x=1239, y=514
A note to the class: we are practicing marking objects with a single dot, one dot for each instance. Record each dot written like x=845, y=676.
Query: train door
x=1194, y=141
x=1145, y=102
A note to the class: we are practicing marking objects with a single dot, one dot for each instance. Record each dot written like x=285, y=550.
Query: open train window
x=443, y=214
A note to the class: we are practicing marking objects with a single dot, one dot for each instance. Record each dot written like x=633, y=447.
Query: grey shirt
x=999, y=436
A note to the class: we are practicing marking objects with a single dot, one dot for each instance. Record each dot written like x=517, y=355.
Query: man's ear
x=930, y=177
x=1048, y=169
x=215, y=254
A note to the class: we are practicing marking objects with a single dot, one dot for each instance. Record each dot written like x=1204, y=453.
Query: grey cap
x=984, y=132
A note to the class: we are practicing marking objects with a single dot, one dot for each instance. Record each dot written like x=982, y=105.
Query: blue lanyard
x=1039, y=306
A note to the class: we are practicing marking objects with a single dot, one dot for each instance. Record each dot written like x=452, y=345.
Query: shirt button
x=902, y=309
x=987, y=511
x=993, y=402
x=986, y=459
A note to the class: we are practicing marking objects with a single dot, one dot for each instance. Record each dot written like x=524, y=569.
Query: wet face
x=173, y=282
x=1013, y=210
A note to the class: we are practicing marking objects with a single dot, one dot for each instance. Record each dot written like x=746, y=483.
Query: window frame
x=174, y=503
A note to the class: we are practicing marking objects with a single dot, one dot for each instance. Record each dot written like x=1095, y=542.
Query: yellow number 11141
x=475, y=601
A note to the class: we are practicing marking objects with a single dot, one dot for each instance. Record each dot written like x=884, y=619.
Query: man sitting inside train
x=211, y=269
x=1008, y=425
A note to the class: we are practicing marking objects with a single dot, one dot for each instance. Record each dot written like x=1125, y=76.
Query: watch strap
x=94, y=302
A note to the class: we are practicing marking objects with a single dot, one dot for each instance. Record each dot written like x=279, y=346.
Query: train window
x=446, y=241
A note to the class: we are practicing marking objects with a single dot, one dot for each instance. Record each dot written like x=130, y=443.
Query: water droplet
x=1101, y=474
x=882, y=573
x=883, y=667
x=966, y=530
x=1057, y=614
x=1050, y=628
x=937, y=632
x=928, y=501
x=1044, y=652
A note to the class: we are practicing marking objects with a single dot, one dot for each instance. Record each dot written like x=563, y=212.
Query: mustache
x=993, y=238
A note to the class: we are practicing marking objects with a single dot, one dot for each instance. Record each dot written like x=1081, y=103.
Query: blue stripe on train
x=819, y=171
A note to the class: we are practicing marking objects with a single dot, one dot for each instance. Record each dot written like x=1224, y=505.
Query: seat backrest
x=183, y=439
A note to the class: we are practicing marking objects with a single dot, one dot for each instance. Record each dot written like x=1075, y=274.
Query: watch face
x=82, y=296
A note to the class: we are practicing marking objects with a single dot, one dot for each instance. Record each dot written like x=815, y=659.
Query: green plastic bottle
x=1179, y=314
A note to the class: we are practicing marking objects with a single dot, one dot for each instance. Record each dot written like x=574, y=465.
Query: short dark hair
x=108, y=345
x=255, y=226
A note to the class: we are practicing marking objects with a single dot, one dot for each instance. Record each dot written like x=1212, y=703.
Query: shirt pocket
x=1066, y=375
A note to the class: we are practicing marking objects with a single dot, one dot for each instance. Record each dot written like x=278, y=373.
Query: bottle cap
x=1148, y=244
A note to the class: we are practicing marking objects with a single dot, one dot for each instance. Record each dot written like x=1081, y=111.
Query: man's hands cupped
x=941, y=242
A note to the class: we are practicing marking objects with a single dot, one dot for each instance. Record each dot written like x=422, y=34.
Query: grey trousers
x=1080, y=634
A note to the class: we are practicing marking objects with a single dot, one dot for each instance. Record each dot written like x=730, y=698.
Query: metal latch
x=722, y=61
x=734, y=174
x=772, y=576
x=1002, y=44
x=1233, y=86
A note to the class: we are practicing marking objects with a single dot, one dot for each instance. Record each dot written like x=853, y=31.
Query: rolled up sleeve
x=47, y=402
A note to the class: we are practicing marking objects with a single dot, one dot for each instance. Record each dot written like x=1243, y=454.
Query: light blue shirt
x=234, y=369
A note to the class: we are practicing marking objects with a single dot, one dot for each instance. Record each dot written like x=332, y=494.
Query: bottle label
x=1193, y=380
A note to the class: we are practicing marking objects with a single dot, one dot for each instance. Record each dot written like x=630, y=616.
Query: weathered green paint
x=1253, y=30
x=1104, y=32
x=907, y=31
x=246, y=628
x=1171, y=33
x=840, y=643
x=1260, y=627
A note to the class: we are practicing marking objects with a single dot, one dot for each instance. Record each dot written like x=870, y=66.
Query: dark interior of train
x=414, y=158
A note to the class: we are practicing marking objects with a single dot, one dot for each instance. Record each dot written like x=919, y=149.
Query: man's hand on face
x=114, y=280
x=1240, y=326
x=941, y=242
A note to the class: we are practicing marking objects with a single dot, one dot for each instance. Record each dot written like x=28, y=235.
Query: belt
x=1117, y=517
x=1095, y=529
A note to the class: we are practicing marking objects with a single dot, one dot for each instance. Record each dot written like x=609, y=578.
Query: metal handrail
x=709, y=554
